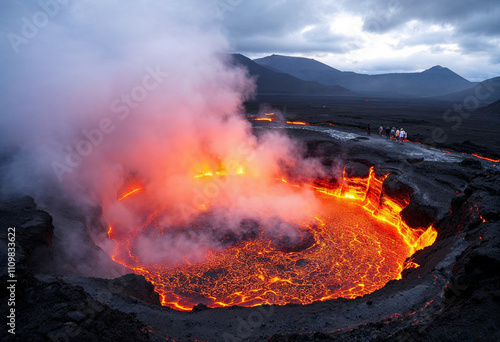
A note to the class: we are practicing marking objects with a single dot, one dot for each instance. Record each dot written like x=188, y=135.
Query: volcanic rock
x=138, y=287
x=61, y=312
x=419, y=214
x=48, y=308
x=33, y=228
x=415, y=160
x=472, y=163
x=30, y=229
x=129, y=285
x=357, y=168
x=394, y=188
x=200, y=307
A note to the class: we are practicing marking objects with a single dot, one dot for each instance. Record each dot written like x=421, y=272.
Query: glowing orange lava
x=264, y=119
x=354, y=246
x=273, y=119
x=297, y=123
x=484, y=158
x=129, y=193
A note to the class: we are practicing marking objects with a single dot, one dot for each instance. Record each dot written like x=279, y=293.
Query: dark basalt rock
x=357, y=168
x=199, y=307
x=61, y=312
x=394, y=188
x=130, y=285
x=33, y=227
x=418, y=214
x=138, y=287
x=471, y=163
x=53, y=310
x=415, y=160
x=30, y=228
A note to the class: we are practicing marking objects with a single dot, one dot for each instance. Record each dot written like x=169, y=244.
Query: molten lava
x=355, y=244
x=129, y=193
x=484, y=158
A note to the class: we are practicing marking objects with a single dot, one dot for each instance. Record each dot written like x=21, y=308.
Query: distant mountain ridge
x=483, y=93
x=435, y=81
x=269, y=81
x=493, y=108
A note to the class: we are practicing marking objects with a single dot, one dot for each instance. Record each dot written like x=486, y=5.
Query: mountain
x=483, y=93
x=274, y=82
x=303, y=68
x=492, y=109
x=434, y=81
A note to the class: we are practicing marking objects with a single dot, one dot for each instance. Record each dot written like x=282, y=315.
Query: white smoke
x=103, y=93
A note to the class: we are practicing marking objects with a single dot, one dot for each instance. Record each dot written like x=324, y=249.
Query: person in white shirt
x=402, y=135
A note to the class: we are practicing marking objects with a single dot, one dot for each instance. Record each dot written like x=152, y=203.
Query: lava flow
x=354, y=245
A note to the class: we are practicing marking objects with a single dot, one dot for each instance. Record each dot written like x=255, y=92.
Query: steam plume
x=106, y=94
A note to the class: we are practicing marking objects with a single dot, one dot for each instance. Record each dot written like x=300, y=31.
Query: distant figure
x=397, y=135
x=402, y=135
x=393, y=133
x=380, y=130
x=369, y=128
x=387, y=132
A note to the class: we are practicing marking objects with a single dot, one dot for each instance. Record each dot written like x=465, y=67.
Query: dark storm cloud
x=317, y=39
x=487, y=24
x=288, y=47
x=468, y=20
x=385, y=15
x=263, y=26
x=273, y=19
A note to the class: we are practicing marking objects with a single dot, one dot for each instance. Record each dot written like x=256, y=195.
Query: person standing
x=402, y=135
x=380, y=130
x=387, y=131
x=369, y=128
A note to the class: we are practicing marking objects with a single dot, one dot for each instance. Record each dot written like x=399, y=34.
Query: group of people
x=397, y=135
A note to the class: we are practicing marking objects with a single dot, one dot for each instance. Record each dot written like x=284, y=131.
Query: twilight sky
x=371, y=36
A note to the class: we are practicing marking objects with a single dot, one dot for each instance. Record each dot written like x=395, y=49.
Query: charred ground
x=454, y=125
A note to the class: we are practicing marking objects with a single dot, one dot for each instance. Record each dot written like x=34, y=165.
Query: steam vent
x=156, y=186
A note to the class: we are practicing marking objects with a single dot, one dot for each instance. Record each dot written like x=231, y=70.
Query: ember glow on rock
x=354, y=245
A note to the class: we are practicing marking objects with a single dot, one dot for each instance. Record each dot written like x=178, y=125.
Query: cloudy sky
x=366, y=36
x=371, y=36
